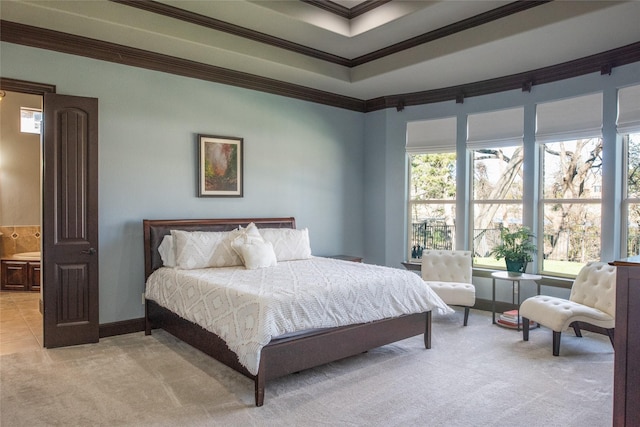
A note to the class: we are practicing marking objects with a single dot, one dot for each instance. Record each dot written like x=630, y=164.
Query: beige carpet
x=481, y=375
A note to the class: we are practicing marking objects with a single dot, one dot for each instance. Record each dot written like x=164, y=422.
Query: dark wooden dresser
x=626, y=385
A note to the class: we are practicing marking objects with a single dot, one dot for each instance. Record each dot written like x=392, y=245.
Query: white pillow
x=243, y=236
x=203, y=249
x=167, y=251
x=288, y=244
x=258, y=255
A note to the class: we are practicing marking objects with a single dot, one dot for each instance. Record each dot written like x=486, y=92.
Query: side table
x=504, y=275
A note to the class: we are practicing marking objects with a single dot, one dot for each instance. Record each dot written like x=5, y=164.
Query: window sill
x=556, y=282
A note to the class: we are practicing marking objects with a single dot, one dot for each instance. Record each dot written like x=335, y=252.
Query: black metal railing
x=431, y=235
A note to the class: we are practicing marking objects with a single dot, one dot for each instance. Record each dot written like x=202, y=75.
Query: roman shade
x=629, y=110
x=503, y=128
x=432, y=136
x=569, y=119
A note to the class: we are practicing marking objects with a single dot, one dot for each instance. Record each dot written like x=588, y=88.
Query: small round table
x=504, y=275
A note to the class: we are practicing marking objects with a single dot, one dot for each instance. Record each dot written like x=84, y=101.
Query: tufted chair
x=592, y=300
x=448, y=273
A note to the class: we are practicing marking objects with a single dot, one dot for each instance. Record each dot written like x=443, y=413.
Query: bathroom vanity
x=20, y=275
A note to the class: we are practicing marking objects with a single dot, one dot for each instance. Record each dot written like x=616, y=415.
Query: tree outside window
x=497, y=199
x=571, y=204
x=432, y=198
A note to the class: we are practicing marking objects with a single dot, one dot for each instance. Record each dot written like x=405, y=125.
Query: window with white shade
x=495, y=141
x=628, y=125
x=563, y=162
x=569, y=132
x=431, y=154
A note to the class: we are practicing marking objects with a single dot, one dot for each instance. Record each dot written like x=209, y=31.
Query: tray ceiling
x=393, y=47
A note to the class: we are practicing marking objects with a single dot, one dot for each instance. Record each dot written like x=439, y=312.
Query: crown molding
x=76, y=45
x=27, y=35
x=600, y=62
x=236, y=30
x=465, y=24
x=216, y=24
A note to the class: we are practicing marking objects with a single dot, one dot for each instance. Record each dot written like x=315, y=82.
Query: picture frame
x=220, y=166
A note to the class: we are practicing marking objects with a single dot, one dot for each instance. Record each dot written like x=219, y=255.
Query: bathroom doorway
x=68, y=153
x=21, y=327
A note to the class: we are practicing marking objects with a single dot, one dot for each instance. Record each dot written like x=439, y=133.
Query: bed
x=283, y=354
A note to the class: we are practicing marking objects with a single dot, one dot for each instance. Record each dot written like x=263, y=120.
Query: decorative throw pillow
x=243, y=236
x=203, y=249
x=167, y=251
x=258, y=255
x=288, y=244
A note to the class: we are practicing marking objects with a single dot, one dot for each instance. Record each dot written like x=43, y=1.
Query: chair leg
x=556, y=343
x=466, y=315
x=576, y=329
x=525, y=329
x=610, y=332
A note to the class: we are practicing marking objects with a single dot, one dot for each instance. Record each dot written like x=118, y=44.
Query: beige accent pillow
x=203, y=249
x=243, y=236
x=258, y=255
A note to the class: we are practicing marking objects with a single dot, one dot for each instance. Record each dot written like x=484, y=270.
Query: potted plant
x=517, y=249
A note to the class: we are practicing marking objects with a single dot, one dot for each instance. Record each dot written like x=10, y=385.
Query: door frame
x=23, y=86
x=32, y=88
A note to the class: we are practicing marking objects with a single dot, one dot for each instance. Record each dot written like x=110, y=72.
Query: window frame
x=473, y=203
x=613, y=200
x=543, y=202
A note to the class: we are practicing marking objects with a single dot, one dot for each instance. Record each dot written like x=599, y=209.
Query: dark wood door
x=70, y=220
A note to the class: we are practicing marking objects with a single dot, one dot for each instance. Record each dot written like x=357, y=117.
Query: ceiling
x=359, y=49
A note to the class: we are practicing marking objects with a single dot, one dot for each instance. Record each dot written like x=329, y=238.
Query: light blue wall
x=340, y=173
x=301, y=159
x=375, y=177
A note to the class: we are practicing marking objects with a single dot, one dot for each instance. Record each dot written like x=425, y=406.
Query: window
x=571, y=179
x=432, y=185
x=557, y=186
x=629, y=127
x=495, y=141
x=30, y=120
x=571, y=203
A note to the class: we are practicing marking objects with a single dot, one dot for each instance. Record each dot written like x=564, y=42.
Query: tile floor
x=20, y=322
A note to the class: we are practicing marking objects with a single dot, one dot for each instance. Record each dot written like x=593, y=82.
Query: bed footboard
x=286, y=356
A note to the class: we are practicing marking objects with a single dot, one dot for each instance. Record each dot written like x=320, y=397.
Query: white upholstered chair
x=592, y=300
x=449, y=273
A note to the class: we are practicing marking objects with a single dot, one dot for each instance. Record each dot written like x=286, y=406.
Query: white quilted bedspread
x=247, y=308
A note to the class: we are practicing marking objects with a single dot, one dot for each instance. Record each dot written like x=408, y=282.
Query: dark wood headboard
x=156, y=229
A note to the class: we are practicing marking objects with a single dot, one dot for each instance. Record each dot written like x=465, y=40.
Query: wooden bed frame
x=281, y=356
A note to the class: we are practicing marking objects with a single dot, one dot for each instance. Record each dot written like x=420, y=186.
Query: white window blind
x=629, y=110
x=569, y=119
x=502, y=128
x=432, y=136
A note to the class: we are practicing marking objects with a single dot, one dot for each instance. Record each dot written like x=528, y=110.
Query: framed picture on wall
x=220, y=166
